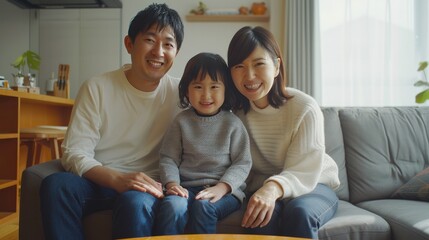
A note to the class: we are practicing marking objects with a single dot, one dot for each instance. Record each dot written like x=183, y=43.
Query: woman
x=292, y=179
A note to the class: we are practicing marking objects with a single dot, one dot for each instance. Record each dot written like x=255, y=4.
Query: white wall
x=86, y=39
x=15, y=36
x=199, y=36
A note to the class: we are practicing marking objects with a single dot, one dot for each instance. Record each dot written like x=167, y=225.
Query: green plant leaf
x=33, y=60
x=421, y=83
x=422, y=66
x=422, y=96
x=19, y=62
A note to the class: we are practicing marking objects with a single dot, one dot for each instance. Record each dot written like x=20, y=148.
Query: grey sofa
x=377, y=149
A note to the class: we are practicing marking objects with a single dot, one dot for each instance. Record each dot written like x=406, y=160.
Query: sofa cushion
x=351, y=222
x=415, y=189
x=407, y=219
x=335, y=148
x=30, y=219
x=384, y=148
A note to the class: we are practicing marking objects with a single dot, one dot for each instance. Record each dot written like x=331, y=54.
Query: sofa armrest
x=30, y=220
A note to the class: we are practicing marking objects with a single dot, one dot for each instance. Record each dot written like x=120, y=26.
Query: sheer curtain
x=300, y=52
x=370, y=50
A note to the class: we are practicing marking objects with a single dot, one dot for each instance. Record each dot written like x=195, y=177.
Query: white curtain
x=299, y=50
x=370, y=50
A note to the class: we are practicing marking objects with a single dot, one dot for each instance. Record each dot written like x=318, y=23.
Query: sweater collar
x=267, y=111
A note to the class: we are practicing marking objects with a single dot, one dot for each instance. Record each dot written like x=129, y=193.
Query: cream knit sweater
x=288, y=146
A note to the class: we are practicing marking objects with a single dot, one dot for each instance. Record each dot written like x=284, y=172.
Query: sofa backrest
x=335, y=148
x=384, y=148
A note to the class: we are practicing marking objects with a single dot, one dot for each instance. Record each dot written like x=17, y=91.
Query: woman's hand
x=214, y=193
x=175, y=189
x=261, y=205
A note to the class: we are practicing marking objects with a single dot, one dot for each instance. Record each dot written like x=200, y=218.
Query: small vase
x=258, y=8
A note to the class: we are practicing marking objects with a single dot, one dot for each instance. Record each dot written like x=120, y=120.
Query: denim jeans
x=301, y=216
x=178, y=215
x=66, y=198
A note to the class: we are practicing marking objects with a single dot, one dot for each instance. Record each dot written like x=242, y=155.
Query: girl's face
x=254, y=77
x=206, y=95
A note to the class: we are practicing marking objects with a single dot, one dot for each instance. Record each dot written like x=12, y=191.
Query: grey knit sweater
x=199, y=151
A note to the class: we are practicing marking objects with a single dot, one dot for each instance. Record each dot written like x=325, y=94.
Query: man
x=111, y=148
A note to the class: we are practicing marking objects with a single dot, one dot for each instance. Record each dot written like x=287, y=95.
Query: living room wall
x=30, y=28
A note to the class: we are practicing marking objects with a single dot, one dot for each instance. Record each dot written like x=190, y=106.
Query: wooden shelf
x=23, y=110
x=227, y=18
x=8, y=135
x=7, y=216
x=7, y=183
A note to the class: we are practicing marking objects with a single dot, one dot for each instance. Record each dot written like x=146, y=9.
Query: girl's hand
x=214, y=193
x=176, y=189
x=261, y=206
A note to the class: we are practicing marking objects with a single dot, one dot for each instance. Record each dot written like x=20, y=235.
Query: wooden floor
x=9, y=231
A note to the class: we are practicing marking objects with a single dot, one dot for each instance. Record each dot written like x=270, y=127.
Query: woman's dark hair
x=160, y=15
x=197, y=68
x=241, y=46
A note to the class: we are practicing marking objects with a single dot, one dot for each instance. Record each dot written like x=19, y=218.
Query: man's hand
x=122, y=182
x=214, y=193
x=261, y=206
x=175, y=189
x=140, y=182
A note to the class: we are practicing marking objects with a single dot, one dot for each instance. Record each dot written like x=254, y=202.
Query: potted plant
x=29, y=59
x=423, y=95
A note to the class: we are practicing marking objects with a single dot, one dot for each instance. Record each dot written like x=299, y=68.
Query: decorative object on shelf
x=62, y=86
x=50, y=85
x=256, y=13
x=29, y=59
x=258, y=8
x=200, y=10
x=243, y=10
x=423, y=95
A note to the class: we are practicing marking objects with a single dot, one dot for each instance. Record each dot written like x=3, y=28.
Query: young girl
x=205, y=156
x=292, y=179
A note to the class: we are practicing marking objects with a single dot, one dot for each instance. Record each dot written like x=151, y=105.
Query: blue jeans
x=196, y=216
x=67, y=198
x=301, y=216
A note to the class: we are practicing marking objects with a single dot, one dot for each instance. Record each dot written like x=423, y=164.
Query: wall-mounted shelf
x=227, y=18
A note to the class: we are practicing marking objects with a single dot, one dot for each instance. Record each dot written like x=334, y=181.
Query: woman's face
x=254, y=77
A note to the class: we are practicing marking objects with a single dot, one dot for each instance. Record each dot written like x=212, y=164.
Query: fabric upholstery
x=417, y=188
x=407, y=219
x=384, y=147
x=335, y=148
x=351, y=222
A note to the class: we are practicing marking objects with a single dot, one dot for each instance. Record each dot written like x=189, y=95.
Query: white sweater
x=117, y=126
x=288, y=146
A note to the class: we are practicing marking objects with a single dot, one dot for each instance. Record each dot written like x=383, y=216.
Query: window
x=370, y=50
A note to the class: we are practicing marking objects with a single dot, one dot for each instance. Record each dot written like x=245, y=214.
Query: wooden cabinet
x=22, y=110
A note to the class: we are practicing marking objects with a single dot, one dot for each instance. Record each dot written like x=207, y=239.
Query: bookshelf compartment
x=9, y=114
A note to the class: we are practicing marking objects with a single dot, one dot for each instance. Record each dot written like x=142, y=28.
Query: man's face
x=152, y=53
